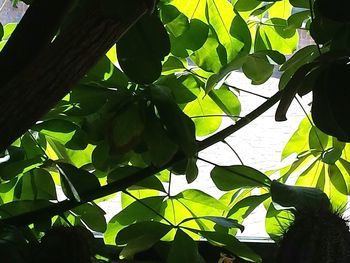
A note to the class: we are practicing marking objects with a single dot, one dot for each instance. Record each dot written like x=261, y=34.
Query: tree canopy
x=100, y=97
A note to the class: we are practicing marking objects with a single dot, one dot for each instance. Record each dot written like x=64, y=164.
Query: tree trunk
x=40, y=85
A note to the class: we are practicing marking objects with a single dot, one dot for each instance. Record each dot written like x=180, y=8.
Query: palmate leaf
x=140, y=236
x=246, y=206
x=278, y=37
x=184, y=249
x=232, y=244
x=135, y=212
x=200, y=111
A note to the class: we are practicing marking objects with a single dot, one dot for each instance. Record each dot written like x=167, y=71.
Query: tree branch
x=120, y=185
x=48, y=78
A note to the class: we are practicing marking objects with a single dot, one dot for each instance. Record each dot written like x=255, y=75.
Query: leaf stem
x=233, y=150
x=148, y=207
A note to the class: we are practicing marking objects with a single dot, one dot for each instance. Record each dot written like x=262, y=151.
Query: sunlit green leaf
x=184, y=249
x=37, y=184
x=135, y=212
x=277, y=221
x=92, y=216
x=233, y=245
x=227, y=101
x=257, y=68
x=246, y=206
x=236, y=176
x=205, y=113
x=276, y=35
x=200, y=202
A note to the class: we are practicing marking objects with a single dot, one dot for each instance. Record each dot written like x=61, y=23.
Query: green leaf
x=37, y=184
x=8, y=30
x=184, y=249
x=232, y=244
x=302, y=198
x=276, y=56
x=199, y=202
x=317, y=139
x=141, y=50
x=135, y=212
x=9, y=170
x=296, y=20
x=220, y=16
x=219, y=220
x=191, y=170
x=92, y=216
x=179, y=126
x=246, y=5
x=212, y=55
x=66, y=132
x=216, y=80
x=23, y=206
x=152, y=182
x=331, y=155
x=257, y=68
x=246, y=206
x=140, y=237
x=300, y=3
x=126, y=134
x=160, y=153
x=205, y=114
x=172, y=64
x=184, y=88
x=276, y=37
x=276, y=221
x=190, y=40
x=227, y=101
x=107, y=74
x=227, y=178
x=76, y=182
x=337, y=179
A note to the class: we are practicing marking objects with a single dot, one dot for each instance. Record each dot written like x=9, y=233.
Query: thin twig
x=247, y=91
x=233, y=150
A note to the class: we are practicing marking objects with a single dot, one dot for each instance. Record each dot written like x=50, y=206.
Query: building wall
x=10, y=14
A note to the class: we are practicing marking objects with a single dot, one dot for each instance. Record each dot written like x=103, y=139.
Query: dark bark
x=50, y=76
